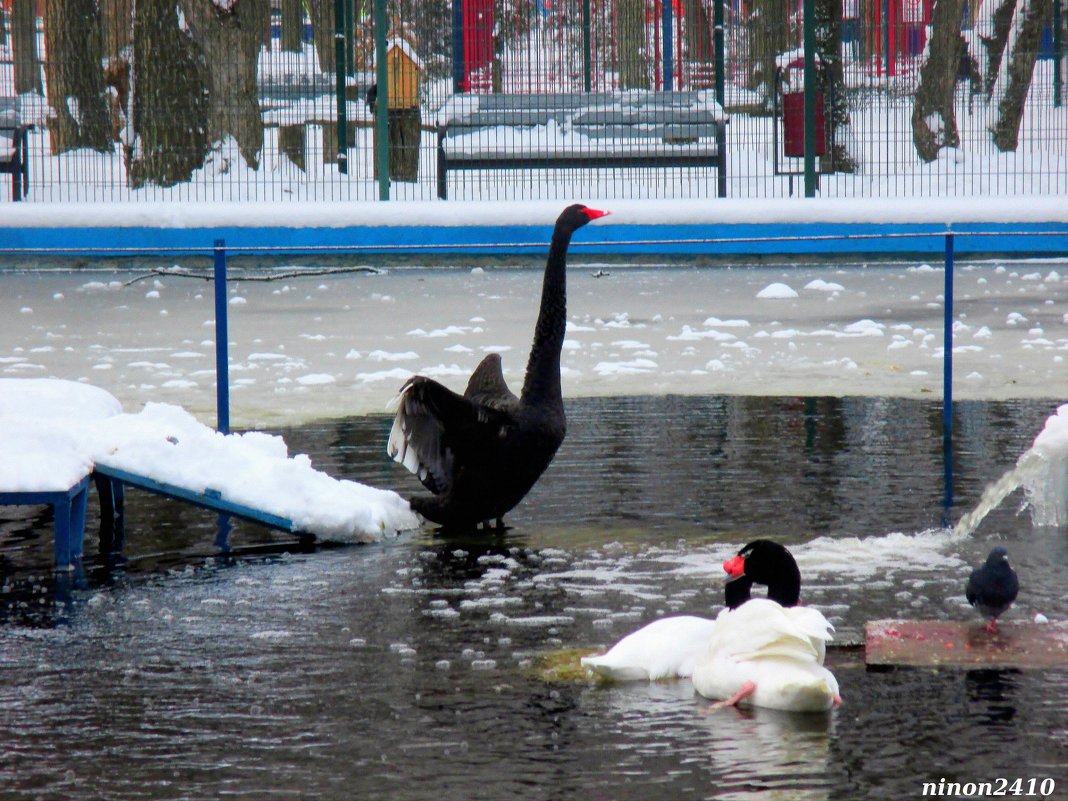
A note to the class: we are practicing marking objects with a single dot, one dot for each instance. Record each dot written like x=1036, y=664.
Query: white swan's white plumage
x=779, y=650
x=667, y=648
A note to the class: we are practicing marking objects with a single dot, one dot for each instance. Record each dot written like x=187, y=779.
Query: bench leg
x=112, y=514
x=443, y=189
x=721, y=157
x=69, y=527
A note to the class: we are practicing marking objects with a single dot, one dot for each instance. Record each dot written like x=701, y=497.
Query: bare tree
x=828, y=35
x=76, y=92
x=24, y=45
x=230, y=34
x=633, y=60
x=322, y=17
x=168, y=140
x=934, y=122
x=291, y=137
x=1009, y=92
x=698, y=38
x=769, y=35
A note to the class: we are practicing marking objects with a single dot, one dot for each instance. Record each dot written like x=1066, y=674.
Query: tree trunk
x=76, y=77
x=698, y=39
x=934, y=123
x=230, y=39
x=24, y=46
x=1014, y=78
x=1001, y=22
x=768, y=36
x=828, y=30
x=292, y=26
x=291, y=138
x=633, y=61
x=322, y=18
x=169, y=137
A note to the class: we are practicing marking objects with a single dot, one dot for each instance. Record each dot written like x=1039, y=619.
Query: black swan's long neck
x=542, y=383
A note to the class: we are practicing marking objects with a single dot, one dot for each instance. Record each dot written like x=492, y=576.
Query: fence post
x=1058, y=55
x=340, y=87
x=809, y=33
x=721, y=59
x=665, y=20
x=382, y=99
x=587, y=47
x=947, y=345
x=457, y=46
x=222, y=344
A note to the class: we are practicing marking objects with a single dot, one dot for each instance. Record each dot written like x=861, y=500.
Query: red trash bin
x=793, y=125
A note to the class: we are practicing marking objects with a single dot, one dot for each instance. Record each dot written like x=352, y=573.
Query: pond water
x=413, y=668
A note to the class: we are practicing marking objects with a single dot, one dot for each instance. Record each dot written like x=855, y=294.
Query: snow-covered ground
x=307, y=348
x=878, y=138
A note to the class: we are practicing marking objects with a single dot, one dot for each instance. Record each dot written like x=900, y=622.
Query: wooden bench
x=582, y=130
x=14, y=150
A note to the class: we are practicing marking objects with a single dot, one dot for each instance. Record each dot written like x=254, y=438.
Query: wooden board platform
x=954, y=643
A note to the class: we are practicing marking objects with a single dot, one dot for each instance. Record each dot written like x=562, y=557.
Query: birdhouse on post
x=405, y=71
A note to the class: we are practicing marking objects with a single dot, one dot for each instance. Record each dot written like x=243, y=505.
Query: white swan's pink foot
x=747, y=689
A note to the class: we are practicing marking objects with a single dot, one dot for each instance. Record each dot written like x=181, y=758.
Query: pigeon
x=992, y=587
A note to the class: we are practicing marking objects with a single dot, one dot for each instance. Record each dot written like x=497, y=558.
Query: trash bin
x=793, y=124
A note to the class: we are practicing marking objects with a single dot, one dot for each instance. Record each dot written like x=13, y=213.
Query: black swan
x=480, y=453
x=992, y=587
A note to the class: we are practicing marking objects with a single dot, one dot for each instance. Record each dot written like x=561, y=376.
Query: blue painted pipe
x=222, y=345
x=947, y=376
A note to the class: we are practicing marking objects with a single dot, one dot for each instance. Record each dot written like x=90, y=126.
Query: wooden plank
x=954, y=643
x=209, y=499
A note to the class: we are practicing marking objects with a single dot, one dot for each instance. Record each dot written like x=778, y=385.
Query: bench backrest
x=659, y=115
x=10, y=118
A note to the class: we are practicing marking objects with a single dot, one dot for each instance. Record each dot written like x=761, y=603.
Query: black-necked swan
x=480, y=453
x=992, y=587
x=760, y=651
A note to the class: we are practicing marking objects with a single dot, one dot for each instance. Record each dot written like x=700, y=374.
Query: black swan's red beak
x=593, y=214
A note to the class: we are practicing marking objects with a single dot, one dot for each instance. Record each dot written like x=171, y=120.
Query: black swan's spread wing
x=487, y=386
x=434, y=426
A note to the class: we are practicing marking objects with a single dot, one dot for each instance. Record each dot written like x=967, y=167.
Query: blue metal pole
x=668, y=46
x=222, y=344
x=947, y=344
x=458, y=46
x=809, y=41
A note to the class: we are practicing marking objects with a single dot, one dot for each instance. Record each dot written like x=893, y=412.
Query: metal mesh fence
x=241, y=100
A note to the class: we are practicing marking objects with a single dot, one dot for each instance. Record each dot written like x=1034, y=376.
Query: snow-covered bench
x=56, y=436
x=13, y=147
x=581, y=130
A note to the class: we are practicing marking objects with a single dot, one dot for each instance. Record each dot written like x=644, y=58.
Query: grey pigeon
x=992, y=587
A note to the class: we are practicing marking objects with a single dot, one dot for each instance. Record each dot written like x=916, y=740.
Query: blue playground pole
x=669, y=46
x=947, y=375
x=222, y=345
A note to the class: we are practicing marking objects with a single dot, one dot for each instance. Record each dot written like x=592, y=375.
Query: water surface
x=409, y=669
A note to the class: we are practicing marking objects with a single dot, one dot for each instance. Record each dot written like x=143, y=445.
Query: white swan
x=762, y=654
x=667, y=648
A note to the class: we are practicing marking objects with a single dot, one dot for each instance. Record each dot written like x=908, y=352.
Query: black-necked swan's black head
x=762, y=562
